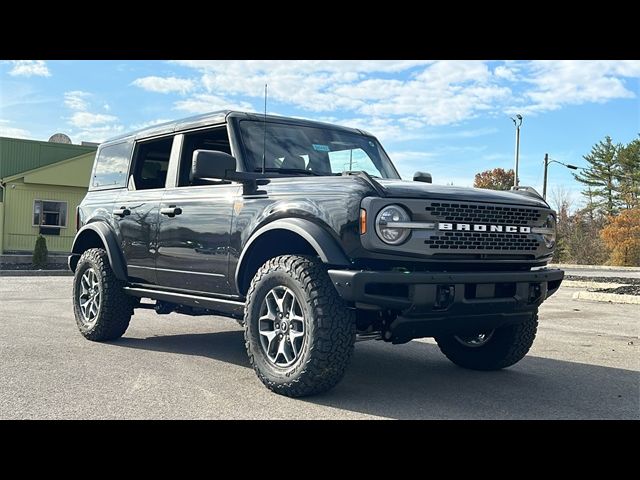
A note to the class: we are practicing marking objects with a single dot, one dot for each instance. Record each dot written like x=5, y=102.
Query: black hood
x=408, y=189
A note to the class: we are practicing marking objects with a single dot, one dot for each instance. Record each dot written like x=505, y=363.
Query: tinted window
x=112, y=165
x=216, y=139
x=151, y=164
x=312, y=150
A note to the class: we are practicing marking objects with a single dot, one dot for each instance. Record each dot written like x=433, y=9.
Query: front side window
x=312, y=150
x=214, y=139
x=112, y=164
x=49, y=213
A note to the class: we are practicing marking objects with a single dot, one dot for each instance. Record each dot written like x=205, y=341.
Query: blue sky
x=450, y=118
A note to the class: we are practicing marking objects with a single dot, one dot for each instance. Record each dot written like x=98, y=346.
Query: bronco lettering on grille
x=468, y=227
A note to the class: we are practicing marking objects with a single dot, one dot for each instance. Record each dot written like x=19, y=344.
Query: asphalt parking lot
x=584, y=365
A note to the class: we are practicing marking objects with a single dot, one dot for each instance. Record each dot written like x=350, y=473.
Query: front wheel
x=299, y=333
x=493, y=349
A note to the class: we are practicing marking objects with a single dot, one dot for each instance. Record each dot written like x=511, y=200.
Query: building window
x=50, y=214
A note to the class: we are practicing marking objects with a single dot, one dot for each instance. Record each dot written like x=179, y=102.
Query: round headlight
x=550, y=238
x=384, y=225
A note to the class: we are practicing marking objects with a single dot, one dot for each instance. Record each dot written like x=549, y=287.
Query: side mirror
x=212, y=164
x=422, y=177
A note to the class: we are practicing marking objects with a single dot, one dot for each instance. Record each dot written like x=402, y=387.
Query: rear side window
x=150, y=164
x=112, y=165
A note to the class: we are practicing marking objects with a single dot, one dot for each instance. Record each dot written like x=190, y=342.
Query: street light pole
x=546, y=166
x=517, y=122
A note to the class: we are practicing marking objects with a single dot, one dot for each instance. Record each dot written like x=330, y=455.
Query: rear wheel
x=299, y=333
x=492, y=349
x=102, y=309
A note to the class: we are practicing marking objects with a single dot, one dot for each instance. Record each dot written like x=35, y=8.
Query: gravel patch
x=623, y=290
x=622, y=280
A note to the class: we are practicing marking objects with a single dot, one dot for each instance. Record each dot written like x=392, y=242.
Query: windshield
x=312, y=150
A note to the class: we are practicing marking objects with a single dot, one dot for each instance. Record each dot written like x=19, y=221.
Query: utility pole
x=544, y=185
x=546, y=166
x=517, y=122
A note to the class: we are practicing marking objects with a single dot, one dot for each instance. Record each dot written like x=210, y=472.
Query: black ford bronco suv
x=305, y=233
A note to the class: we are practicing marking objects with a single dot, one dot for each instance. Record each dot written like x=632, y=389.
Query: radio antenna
x=264, y=134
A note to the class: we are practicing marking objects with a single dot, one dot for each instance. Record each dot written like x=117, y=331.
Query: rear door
x=136, y=209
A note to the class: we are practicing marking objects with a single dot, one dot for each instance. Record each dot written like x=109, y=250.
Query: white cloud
x=421, y=93
x=87, y=125
x=556, y=83
x=99, y=133
x=505, y=72
x=164, y=84
x=29, y=68
x=76, y=100
x=202, y=103
x=87, y=119
x=431, y=93
x=8, y=131
x=150, y=123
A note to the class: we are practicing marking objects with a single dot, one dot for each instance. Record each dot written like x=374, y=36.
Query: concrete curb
x=588, y=284
x=35, y=273
x=607, y=297
x=592, y=267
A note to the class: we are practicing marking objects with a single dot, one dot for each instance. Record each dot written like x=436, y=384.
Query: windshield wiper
x=288, y=170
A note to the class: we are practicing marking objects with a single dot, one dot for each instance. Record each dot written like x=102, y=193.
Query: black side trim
x=221, y=305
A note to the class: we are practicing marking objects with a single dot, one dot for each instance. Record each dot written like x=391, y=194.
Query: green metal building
x=41, y=184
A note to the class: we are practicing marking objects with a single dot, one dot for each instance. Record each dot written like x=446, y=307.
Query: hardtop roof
x=218, y=117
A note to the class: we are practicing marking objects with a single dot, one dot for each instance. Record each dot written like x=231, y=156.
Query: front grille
x=477, y=213
x=482, y=241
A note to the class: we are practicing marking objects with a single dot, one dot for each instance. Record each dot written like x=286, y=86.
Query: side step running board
x=230, y=307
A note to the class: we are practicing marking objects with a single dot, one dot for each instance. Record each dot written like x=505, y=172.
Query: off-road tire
x=507, y=346
x=116, y=307
x=329, y=324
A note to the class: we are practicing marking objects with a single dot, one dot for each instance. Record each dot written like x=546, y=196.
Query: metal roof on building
x=18, y=155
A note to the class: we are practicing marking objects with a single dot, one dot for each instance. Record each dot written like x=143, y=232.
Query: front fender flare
x=319, y=238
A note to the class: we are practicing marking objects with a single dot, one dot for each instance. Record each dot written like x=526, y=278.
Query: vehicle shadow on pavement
x=416, y=381
x=225, y=346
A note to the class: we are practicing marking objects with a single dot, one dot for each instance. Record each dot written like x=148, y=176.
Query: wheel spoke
x=85, y=282
x=269, y=335
x=296, y=335
x=282, y=350
x=281, y=326
x=279, y=299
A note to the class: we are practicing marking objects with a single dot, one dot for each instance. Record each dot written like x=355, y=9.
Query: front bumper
x=429, y=303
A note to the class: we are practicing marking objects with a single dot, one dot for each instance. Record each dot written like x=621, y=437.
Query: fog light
x=444, y=296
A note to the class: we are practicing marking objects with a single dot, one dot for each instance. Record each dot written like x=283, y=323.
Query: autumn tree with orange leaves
x=622, y=237
x=496, y=179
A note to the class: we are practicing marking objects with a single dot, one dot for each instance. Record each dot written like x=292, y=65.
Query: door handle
x=121, y=212
x=171, y=211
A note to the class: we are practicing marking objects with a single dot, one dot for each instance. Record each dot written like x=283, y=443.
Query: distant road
x=592, y=272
